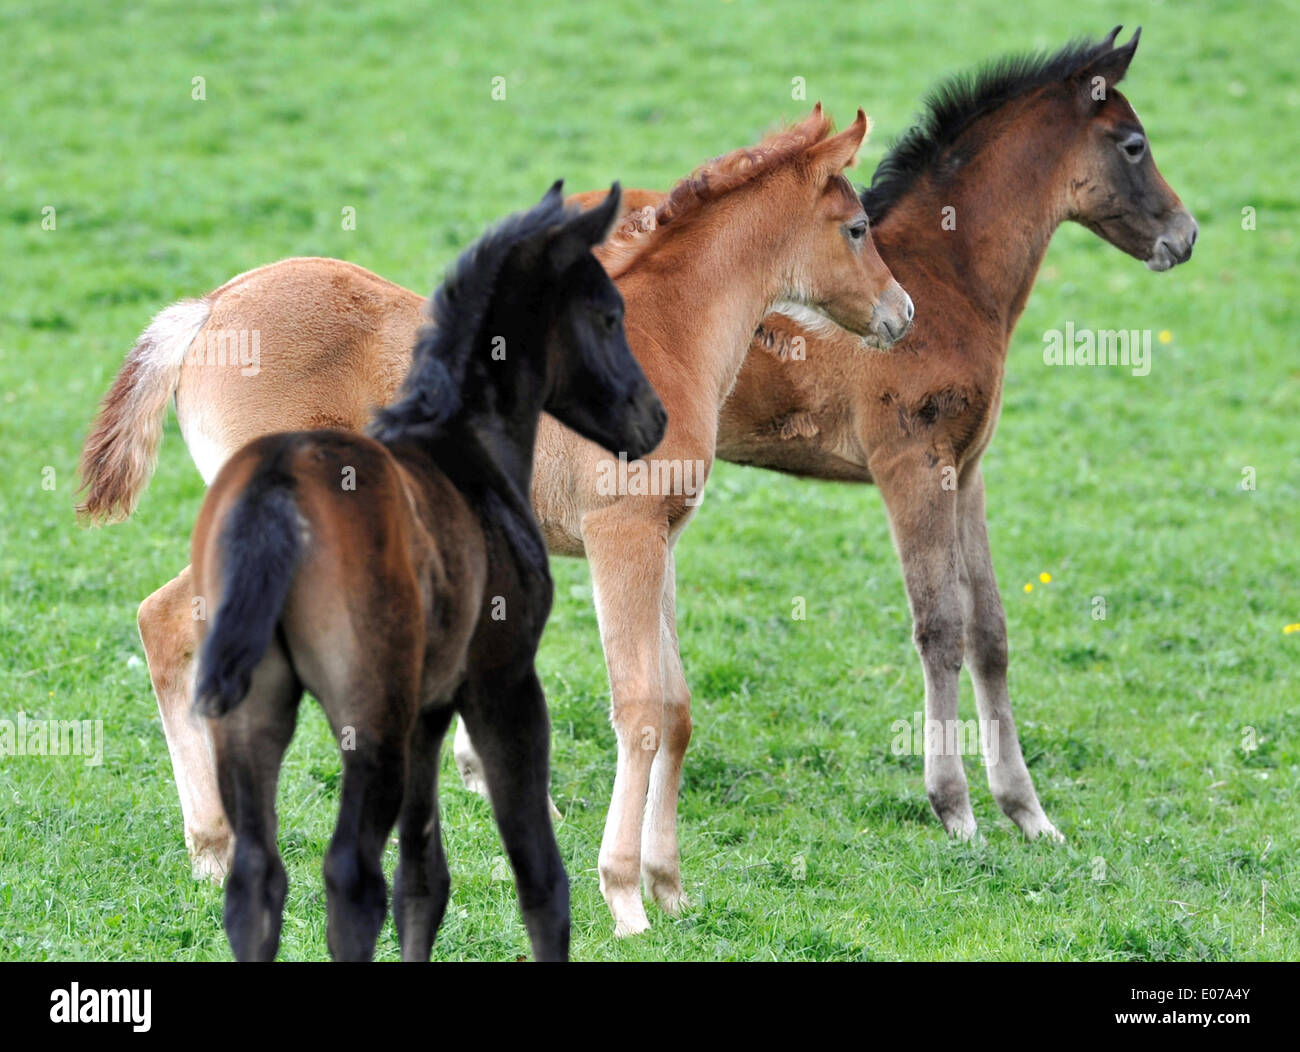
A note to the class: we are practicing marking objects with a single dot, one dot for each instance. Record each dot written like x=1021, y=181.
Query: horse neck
x=706, y=288
x=500, y=450
x=493, y=448
x=1006, y=203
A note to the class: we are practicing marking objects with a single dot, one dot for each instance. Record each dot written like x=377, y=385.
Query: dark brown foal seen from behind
x=401, y=577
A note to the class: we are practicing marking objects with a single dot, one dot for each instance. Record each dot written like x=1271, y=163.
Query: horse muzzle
x=1174, y=246
x=891, y=318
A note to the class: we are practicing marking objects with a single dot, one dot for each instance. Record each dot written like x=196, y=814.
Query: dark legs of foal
x=422, y=882
x=957, y=614
x=511, y=730
x=374, y=774
x=249, y=744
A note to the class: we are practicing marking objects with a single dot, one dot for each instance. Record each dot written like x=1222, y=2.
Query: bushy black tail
x=260, y=546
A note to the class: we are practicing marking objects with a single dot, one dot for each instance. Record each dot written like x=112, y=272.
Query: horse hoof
x=628, y=911
x=209, y=865
x=961, y=827
x=671, y=900
x=625, y=928
x=473, y=781
x=1043, y=829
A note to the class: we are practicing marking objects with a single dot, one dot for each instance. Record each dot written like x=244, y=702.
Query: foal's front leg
x=923, y=518
x=166, y=621
x=628, y=553
x=986, y=654
x=512, y=729
x=660, y=859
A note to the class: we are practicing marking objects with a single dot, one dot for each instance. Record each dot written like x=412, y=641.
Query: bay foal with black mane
x=1015, y=151
x=777, y=222
x=417, y=591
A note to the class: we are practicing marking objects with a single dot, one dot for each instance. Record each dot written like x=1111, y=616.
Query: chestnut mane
x=714, y=179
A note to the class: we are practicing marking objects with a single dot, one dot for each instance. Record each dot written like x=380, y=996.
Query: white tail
x=122, y=448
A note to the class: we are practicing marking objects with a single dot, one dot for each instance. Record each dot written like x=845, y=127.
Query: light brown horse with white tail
x=400, y=577
x=754, y=228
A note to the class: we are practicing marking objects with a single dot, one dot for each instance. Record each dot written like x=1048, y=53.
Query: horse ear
x=1132, y=46
x=595, y=224
x=1099, y=77
x=529, y=251
x=554, y=195
x=584, y=231
x=831, y=156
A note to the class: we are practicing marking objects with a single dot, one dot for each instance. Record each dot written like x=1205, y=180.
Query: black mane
x=957, y=103
x=432, y=392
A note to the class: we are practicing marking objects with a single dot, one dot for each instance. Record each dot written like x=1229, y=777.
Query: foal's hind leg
x=510, y=725
x=923, y=518
x=422, y=882
x=374, y=776
x=986, y=654
x=249, y=744
x=166, y=621
x=660, y=860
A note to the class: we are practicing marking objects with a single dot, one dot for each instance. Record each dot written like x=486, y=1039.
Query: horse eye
x=611, y=321
x=1134, y=147
x=858, y=231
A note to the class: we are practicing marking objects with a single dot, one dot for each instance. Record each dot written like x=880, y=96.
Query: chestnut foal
x=777, y=222
x=402, y=578
x=747, y=231
x=1013, y=153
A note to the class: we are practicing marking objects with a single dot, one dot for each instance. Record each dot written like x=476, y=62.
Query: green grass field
x=1162, y=740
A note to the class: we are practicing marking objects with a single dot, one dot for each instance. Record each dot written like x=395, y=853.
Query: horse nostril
x=909, y=312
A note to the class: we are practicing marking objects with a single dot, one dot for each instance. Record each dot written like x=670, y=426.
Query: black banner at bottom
x=139, y=1001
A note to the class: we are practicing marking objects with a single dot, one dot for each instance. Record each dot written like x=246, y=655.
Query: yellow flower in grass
x=1287, y=630
x=1046, y=578
x=1029, y=587
x=1165, y=336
